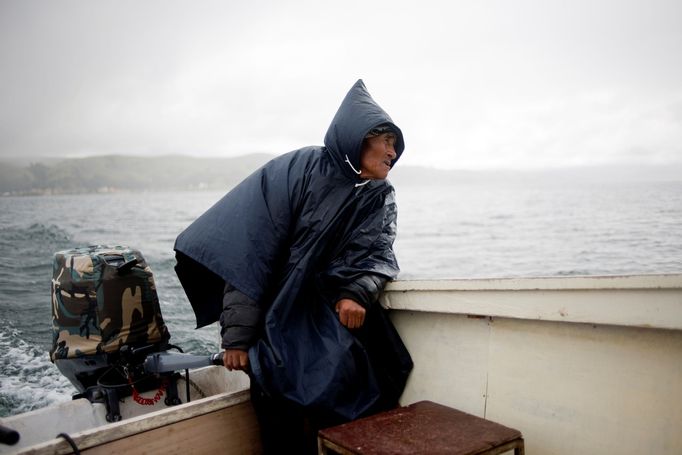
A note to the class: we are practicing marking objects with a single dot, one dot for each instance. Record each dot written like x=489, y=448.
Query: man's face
x=377, y=154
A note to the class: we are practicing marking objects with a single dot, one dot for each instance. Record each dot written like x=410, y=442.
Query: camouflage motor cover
x=103, y=298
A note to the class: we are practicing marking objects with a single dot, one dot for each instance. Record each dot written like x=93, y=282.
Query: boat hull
x=578, y=365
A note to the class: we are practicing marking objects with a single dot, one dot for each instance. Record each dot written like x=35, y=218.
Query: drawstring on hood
x=365, y=182
x=357, y=116
x=352, y=167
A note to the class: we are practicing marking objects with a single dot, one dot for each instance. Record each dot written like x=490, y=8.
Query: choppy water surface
x=459, y=231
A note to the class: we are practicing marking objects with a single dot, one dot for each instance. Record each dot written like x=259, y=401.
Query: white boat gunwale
x=645, y=301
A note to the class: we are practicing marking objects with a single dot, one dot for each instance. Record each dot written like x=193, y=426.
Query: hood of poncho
x=357, y=116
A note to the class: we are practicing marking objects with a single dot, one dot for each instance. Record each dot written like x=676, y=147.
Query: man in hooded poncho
x=292, y=261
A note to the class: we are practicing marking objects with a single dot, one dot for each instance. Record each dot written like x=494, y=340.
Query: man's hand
x=351, y=313
x=235, y=359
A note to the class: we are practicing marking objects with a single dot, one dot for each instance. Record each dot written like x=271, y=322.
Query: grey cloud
x=479, y=84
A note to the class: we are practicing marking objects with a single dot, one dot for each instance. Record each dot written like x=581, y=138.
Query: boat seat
x=423, y=427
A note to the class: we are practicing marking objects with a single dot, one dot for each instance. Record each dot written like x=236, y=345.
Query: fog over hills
x=161, y=173
x=126, y=173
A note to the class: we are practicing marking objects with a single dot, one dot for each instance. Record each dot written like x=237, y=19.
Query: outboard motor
x=106, y=320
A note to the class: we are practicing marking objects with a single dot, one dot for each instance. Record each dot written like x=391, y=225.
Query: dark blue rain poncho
x=290, y=236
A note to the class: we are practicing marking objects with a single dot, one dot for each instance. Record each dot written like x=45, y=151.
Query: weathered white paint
x=42, y=424
x=114, y=431
x=87, y=425
x=597, y=385
x=576, y=388
x=669, y=281
x=230, y=430
x=638, y=301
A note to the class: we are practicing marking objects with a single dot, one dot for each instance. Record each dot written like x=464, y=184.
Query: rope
x=71, y=442
x=196, y=388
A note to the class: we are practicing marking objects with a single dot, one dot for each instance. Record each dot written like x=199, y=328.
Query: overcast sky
x=472, y=84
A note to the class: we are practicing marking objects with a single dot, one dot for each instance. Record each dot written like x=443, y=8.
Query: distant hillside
x=111, y=173
x=130, y=173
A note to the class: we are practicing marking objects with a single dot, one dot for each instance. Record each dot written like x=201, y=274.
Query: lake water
x=455, y=231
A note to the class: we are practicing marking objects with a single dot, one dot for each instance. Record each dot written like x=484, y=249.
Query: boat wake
x=28, y=380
